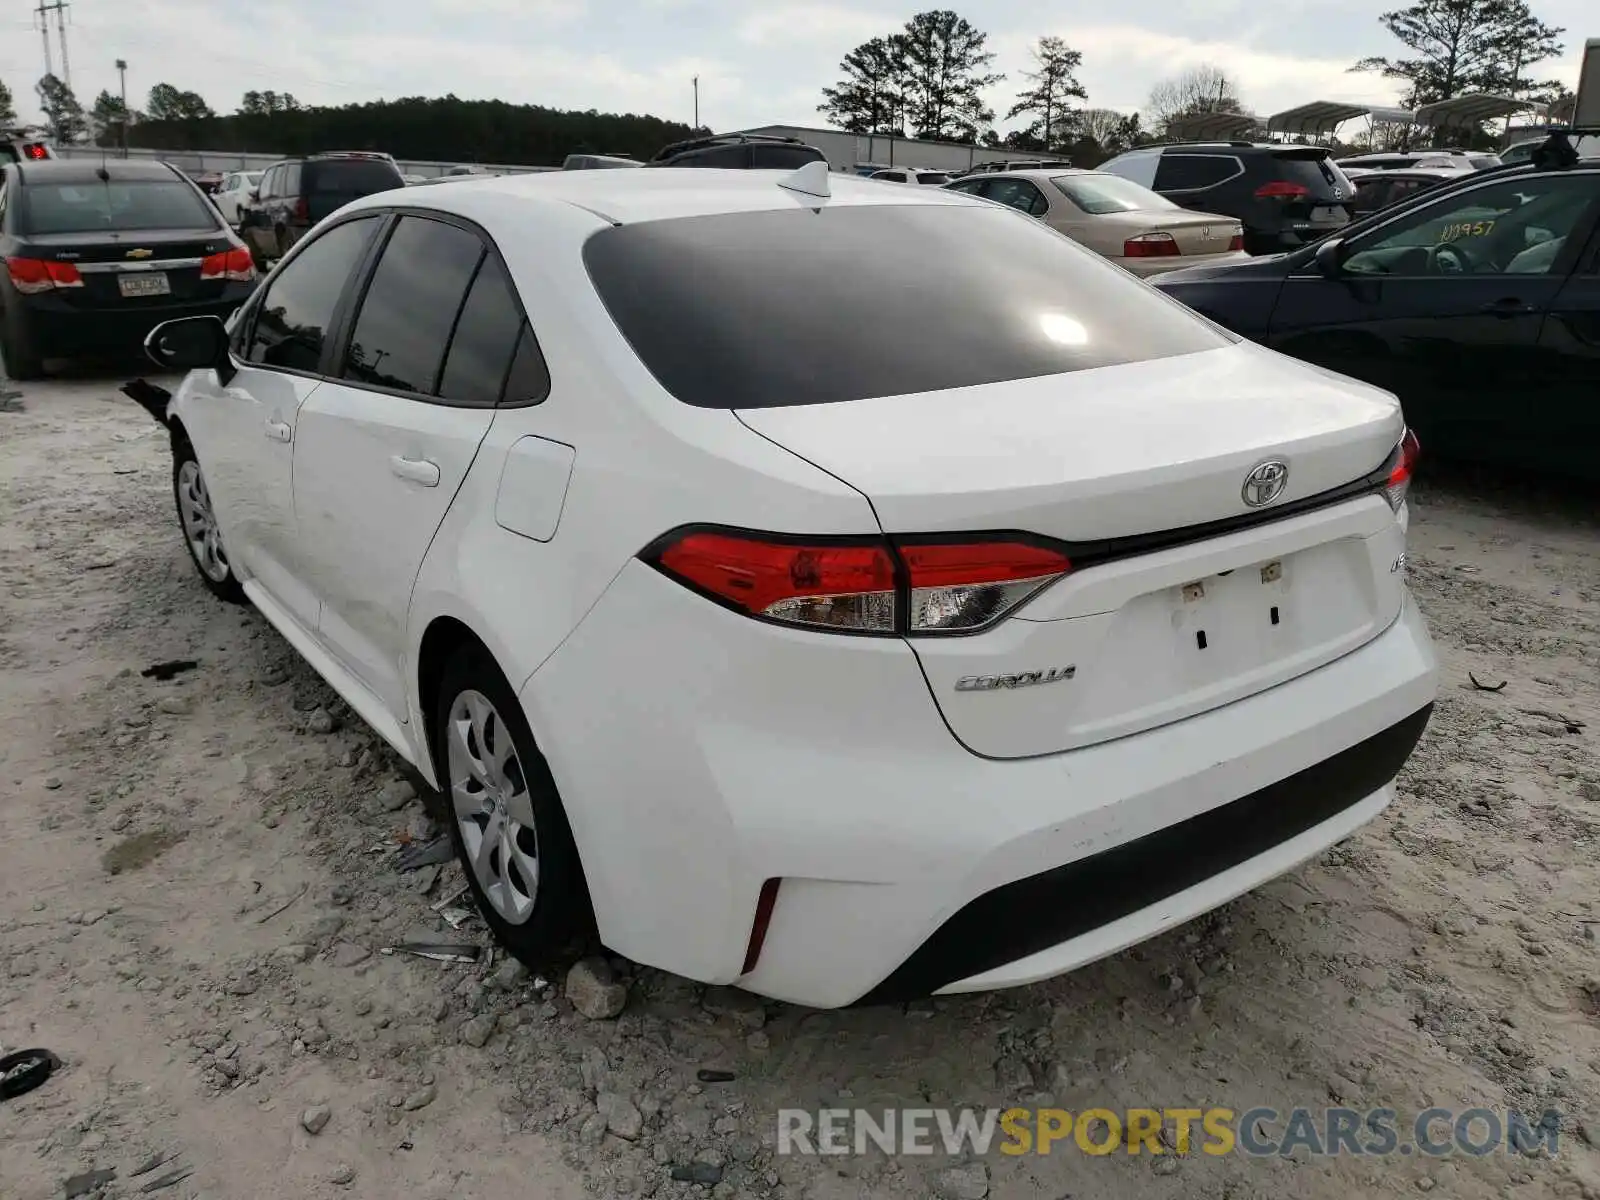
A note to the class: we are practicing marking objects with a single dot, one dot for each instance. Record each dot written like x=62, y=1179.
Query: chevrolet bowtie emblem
x=140, y=253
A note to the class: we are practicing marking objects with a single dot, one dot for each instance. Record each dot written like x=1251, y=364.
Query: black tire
x=22, y=359
x=560, y=913
x=224, y=586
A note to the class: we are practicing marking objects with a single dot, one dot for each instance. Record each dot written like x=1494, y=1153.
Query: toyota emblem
x=1265, y=483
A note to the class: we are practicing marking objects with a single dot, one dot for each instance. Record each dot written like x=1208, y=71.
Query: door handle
x=416, y=470
x=279, y=431
x=1510, y=306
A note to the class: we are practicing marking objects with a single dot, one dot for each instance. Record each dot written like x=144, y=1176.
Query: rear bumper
x=62, y=331
x=700, y=754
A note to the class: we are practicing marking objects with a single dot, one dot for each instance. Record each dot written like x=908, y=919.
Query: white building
x=852, y=151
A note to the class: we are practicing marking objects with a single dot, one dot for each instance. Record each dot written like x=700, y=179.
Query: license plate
x=154, y=283
x=1329, y=214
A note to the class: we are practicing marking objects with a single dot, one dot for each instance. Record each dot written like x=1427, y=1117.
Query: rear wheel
x=505, y=817
x=21, y=352
x=198, y=519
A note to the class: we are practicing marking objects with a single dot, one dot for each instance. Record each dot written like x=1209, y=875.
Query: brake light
x=302, y=210
x=33, y=275
x=35, y=150
x=1150, y=245
x=1405, y=464
x=1282, y=189
x=1236, y=242
x=861, y=585
x=235, y=265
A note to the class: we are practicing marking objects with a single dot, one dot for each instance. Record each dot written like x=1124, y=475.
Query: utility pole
x=42, y=19
x=697, y=103
x=122, y=88
x=42, y=13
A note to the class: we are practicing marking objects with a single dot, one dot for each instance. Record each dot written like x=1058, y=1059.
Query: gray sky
x=758, y=63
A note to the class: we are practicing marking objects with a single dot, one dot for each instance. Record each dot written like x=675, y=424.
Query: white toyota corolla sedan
x=845, y=592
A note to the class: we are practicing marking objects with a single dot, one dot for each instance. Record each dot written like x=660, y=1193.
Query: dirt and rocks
x=198, y=883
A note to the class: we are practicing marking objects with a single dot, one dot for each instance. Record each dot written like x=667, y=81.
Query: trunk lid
x=1196, y=235
x=104, y=259
x=1116, y=453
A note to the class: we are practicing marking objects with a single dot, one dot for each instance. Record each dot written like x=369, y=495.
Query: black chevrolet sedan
x=1477, y=303
x=99, y=253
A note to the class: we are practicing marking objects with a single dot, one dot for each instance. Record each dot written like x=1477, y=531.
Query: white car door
x=228, y=198
x=381, y=451
x=244, y=431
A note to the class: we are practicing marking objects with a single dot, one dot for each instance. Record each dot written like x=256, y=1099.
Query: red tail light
x=1236, y=242
x=861, y=585
x=302, y=210
x=233, y=264
x=35, y=150
x=33, y=275
x=1282, y=189
x=1150, y=245
x=1405, y=464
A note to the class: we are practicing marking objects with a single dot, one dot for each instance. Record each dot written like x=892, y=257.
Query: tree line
x=439, y=129
x=930, y=79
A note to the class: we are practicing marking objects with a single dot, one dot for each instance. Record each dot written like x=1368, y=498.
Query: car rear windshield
x=1098, y=195
x=795, y=306
x=96, y=206
x=352, y=177
x=1313, y=170
x=932, y=177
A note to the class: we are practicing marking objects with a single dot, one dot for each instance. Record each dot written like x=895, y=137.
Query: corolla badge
x=1265, y=483
x=1016, y=679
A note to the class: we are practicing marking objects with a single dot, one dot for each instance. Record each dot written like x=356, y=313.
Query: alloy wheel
x=489, y=793
x=200, y=523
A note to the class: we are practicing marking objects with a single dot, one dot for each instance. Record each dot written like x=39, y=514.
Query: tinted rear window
x=96, y=206
x=1317, y=173
x=355, y=177
x=792, y=307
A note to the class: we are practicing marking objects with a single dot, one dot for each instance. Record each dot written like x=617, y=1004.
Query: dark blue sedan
x=1477, y=303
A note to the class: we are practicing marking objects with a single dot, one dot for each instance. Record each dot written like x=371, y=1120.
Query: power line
x=42, y=16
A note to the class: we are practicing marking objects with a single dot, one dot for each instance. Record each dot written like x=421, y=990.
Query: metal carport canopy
x=1463, y=112
x=1320, y=116
x=1203, y=126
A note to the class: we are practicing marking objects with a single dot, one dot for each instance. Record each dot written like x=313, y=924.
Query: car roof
x=87, y=170
x=627, y=197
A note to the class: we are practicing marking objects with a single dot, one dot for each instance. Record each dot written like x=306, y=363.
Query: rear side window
x=1018, y=194
x=485, y=339
x=933, y=178
x=97, y=207
x=292, y=320
x=939, y=296
x=291, y=180
x=411, y=306
x=718, y=156
x=783, y=158
x=1139, y=166
x=1184, y=172
x=352, y=177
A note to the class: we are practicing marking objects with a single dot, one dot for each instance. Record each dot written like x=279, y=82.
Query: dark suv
x=1285, y=196
x=740, y=152
x=295, y=194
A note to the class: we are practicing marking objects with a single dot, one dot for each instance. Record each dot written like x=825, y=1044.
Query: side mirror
x=255, y=196
x=1330, y=257
x=191, y=344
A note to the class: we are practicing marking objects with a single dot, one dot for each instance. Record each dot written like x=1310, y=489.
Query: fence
x=223, y=161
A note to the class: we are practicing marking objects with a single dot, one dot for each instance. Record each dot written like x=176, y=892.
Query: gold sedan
x=1115, y=217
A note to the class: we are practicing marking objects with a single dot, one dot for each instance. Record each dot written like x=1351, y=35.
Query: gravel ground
x=197, y=879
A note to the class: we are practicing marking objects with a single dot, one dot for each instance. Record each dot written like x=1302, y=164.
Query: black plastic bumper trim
x=1044, y=910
